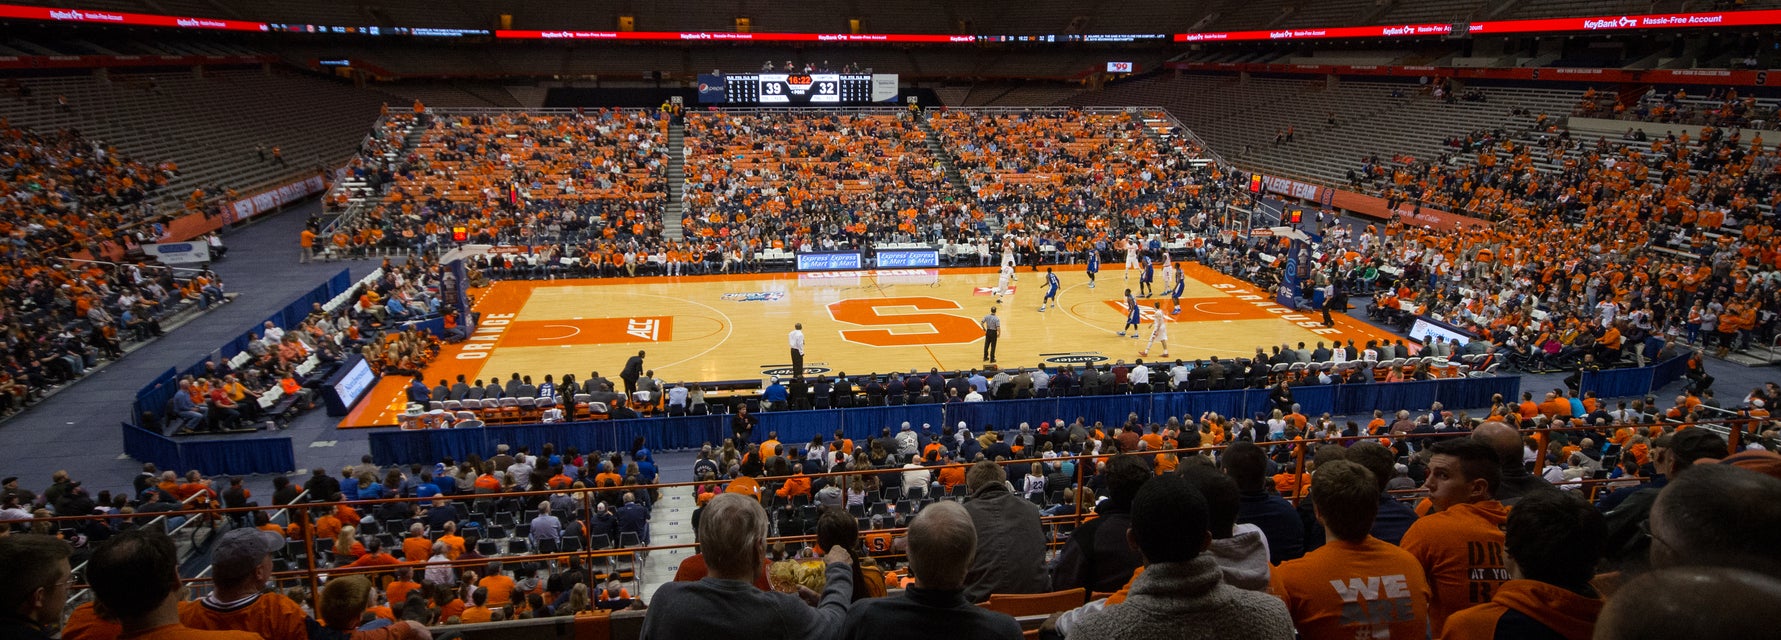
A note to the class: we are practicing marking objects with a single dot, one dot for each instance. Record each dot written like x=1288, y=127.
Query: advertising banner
x=837, y=261
x=196, y=252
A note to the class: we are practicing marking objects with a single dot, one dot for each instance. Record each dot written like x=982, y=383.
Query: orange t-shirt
x=475, y=614
x=1461, y=551
x=182, y=632
x=397, y=592
x=453, y=608
x=416, y=549
x=1536, y=600
x=693, y=569
x=270, y=615
x=1354, y=590
x=500, y=588
x=85, y=624
x=454, y=545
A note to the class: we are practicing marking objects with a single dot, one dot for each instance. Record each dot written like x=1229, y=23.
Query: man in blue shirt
x=189, y=412
x=775, y=395
x=1247, y=465
x=1094, y=266
x=634, y=518
x=426, y=488
x=395, y=308
x=418, y=392
x=443, y=479
x=1394, y=517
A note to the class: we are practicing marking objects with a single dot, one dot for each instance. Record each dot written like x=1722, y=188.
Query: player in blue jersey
x=1180, y=287
x=1094, y=265
x=1050, y=289
x=1146, y=277
x=1133, y=314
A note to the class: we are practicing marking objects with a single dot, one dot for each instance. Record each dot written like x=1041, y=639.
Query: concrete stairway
x=671, y=228
x=953, y=177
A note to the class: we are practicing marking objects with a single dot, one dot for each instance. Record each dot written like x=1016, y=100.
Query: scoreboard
x=793, y=88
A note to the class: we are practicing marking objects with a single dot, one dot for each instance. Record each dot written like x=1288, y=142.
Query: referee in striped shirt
x=992, y=327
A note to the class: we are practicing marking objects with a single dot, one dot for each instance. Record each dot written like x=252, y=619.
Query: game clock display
x=790, y=88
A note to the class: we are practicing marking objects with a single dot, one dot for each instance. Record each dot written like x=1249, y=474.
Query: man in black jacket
x=942, y=543
x=632, y=371
x=1097, y=555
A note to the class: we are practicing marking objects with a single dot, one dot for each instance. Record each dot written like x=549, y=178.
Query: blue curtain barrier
x=1669, y=371
x=795, y=428
x=153, y=397
x=236, y=456
x=1616, y=383
x=148, y=446
x=243, y=456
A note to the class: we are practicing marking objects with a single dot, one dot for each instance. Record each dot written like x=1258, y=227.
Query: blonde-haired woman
x=579, y=601
x=346, y=545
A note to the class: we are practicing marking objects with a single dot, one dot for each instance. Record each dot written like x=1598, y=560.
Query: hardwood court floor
x=731, y=327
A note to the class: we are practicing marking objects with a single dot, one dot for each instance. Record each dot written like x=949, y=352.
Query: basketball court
x=733, y=327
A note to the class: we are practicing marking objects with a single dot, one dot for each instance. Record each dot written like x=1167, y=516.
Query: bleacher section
x=210, y=126
x=852, y=176
x=610, y=172
x=1071, y=172
x=1240, y=122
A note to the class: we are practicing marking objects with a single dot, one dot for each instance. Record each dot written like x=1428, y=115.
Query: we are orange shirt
x=1367, y=589
x=1461, y=551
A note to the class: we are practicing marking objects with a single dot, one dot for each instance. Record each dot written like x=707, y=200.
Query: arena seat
x=1033, y=604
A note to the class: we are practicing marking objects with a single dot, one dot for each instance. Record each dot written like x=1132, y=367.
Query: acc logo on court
x=1073, y=358
x=756, y=296
x=649, y=329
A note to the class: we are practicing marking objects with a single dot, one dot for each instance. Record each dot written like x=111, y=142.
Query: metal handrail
x=75, y=597
x=146, y=266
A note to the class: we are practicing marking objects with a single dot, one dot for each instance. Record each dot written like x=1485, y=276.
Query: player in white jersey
x=1003, y=280
x=1159, y=330
x=1008, y=253
x=1131, y=256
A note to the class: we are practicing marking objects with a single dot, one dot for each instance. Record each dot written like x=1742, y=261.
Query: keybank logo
x=1621, y=22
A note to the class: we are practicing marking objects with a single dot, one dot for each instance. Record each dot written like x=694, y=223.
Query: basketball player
x=1002, y=280
x=1132, y=315
x=1094, y=266
x=1008, y=251
x=1050, y=290
x=1146, y=278
x=1131, y=256
x=1179, y=287
x=1158, y=331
